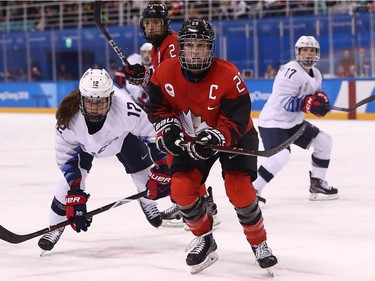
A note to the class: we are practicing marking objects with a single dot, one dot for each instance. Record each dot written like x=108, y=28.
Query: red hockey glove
x=76, y=210
x=317, y=104
x=198, y=149
x=159, y=184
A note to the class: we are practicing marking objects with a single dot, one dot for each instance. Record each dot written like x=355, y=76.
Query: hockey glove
x=317, y=104
x=76, y=210
x=134, y=73
x=199, y=148
x=168, y=135
x=159, y=184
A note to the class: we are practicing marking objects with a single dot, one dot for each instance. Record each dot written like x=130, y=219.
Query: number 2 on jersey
x=239, y=82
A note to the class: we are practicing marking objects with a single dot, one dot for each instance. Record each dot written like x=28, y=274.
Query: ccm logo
x=72, y=200
x=160, y=179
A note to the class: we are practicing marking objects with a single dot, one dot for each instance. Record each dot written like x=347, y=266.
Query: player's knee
x=322, y=145
x=185, y=187
x=239, y=189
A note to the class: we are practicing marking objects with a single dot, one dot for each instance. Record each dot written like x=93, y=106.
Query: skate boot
x=211, y=208
x=264, y=256
x=320, y=190
x=152, y=213
x=49, y=240
x=172, y=217
x=201, y=253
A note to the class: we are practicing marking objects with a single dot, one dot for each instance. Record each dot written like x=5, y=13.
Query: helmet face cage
x=307, y=42
x=96, y=90
x=196, y=41
x=155, y=11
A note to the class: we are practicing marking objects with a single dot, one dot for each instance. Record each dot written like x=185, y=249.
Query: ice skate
x=172, y=217
x=201, y=253
x=49, y=240
x=264, y=257
x=152, y=213
x=320, y=190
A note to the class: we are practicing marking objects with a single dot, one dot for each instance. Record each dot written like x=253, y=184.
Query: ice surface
x=314, y=241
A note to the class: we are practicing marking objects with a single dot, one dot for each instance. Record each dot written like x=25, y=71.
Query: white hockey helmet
x=96, y=90
x=146, y=53
x=309, y=42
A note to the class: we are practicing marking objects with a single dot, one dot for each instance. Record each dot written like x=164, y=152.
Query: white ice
x=314, y=241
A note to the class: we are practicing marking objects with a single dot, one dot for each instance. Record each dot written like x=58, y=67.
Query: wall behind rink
x=45, y=96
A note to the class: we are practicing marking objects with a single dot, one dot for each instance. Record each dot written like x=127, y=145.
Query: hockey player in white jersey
x=296, y=91
x=98, y=121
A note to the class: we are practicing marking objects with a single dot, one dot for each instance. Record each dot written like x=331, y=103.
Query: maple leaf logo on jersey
x=170, y=90
x=192, y=124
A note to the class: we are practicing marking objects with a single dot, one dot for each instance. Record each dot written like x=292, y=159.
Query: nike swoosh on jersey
x=212, y=108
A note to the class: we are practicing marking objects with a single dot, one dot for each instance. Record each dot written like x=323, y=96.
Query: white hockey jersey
x=123, y=118
x=292, y=83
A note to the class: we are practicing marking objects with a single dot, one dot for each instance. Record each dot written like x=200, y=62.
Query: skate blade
x=323, y=197
x=270, y=272
x=42, y=253
x=172, y=223
x=211, y=259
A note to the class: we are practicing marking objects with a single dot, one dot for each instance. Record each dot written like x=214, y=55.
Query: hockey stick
x=100, y=25
x=264, y=153
x=245, y=151
x=14, y=238
x=358, y=104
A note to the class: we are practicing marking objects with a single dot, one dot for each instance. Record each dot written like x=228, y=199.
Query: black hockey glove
x=168, y=135
x=76, y=210
x=134, y=73
x=198, y=149
x=317, y=104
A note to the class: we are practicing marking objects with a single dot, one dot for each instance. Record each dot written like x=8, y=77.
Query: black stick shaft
x=358, y=104
x=265, y=153
x=100, y=25
x=14, y=238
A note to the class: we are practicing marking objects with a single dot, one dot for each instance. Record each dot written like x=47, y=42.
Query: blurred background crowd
x=30, y=32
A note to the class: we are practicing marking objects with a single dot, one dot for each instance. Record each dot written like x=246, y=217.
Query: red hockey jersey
x=168, y=49
x=220, y=100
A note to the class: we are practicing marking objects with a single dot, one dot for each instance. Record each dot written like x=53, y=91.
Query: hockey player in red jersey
x=197, y=100
x=155, y=28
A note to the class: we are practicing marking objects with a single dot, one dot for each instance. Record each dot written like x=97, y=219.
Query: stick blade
x=9, y=236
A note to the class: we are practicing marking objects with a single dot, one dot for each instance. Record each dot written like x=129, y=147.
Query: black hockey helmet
x=196, y=29
x=156, y=11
